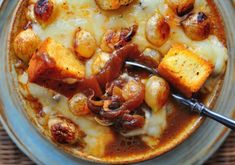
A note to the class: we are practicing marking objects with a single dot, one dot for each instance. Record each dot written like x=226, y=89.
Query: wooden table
x=11, y=155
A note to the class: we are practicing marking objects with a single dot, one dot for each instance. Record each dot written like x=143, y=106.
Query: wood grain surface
x=11, y=155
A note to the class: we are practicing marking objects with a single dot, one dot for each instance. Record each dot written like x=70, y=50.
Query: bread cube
x=53, y=61
x=185, y=70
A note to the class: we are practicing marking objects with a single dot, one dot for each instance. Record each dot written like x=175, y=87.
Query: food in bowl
x=69, y=58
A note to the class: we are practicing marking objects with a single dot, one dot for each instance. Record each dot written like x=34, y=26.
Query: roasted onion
x=115, y=39
x=157, y=30
x=105, y=123
x=181, y=7
x=113, y=67
x=131, y=122
x=117, y=111
x=64, y=131
x=142, y=130
x=112, y=4
x=197, y=26
x=44, y=11
x=84, y=43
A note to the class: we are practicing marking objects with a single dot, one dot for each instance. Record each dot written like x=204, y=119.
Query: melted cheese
x=94, y=132
x=157, y=123
x=86, y=14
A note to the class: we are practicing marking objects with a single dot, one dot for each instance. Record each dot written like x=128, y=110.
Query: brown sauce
x=217, y=22
x=177, y=122
x=126, y=146
x=36, y=105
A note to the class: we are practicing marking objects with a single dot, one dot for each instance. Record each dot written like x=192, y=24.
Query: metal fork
x=192, y=103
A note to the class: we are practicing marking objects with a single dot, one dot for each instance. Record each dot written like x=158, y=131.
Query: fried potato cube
x=185, y=70
x=25, y=44
x=54, y=61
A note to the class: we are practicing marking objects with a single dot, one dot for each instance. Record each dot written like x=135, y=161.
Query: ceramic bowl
x=194, y=150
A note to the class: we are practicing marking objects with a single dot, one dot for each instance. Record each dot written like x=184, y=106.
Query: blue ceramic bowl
x=195, y=150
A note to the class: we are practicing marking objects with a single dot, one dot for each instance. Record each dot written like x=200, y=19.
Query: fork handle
x=221, y=119
x=204, y=111
x=192, y=103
